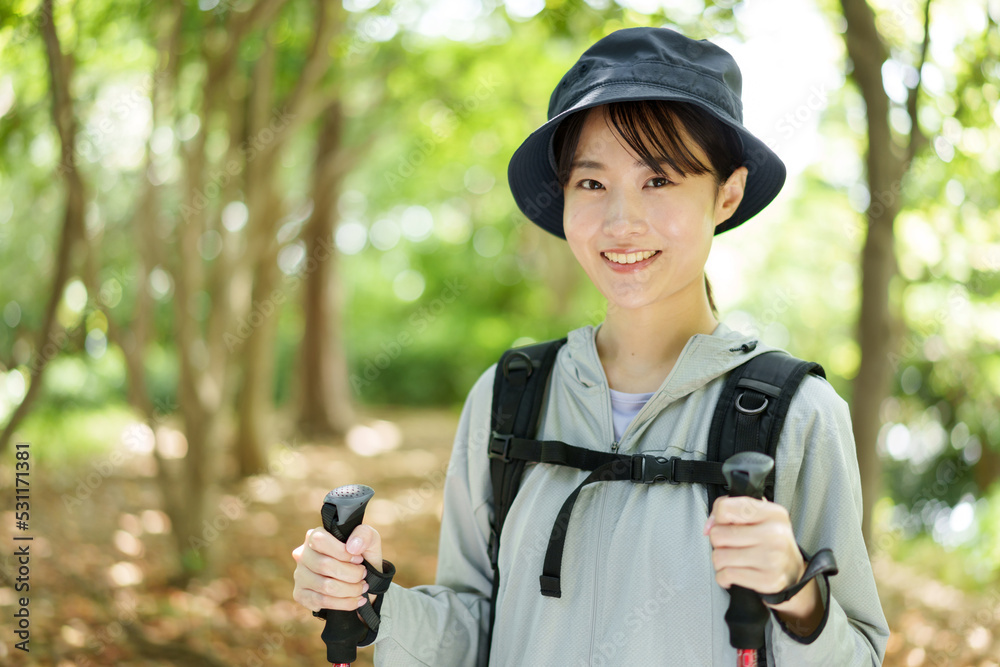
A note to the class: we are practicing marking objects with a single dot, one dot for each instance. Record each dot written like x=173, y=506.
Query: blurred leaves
x=439, y=269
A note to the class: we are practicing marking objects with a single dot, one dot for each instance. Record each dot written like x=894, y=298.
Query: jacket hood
x=703, y=358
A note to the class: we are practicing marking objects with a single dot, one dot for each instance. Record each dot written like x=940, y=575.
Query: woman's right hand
x=329, y=573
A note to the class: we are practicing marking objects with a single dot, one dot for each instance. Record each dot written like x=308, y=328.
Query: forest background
x=251, y=250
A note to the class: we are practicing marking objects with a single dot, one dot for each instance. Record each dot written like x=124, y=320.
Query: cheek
x=578, y=224
x=687, y=223
x=576, y=241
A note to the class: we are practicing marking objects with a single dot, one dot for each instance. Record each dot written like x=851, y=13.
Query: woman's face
x=642, y=238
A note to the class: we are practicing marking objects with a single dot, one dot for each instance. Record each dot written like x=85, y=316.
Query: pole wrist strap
x=378, y=584
x=822, y=562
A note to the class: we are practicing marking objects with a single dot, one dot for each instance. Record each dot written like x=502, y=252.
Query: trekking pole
x=343, y=511
x=746, y=617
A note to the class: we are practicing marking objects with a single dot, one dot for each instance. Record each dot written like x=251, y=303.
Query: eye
x=659, y=181
x=589, y=184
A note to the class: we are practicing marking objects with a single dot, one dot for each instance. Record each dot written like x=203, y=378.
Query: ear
x=730, y=195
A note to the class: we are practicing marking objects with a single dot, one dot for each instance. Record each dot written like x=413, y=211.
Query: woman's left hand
x=753, y=546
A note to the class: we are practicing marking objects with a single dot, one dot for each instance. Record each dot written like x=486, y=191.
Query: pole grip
x=343, y=511
x=746, y=617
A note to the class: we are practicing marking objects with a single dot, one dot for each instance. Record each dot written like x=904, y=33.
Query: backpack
x=748, y=417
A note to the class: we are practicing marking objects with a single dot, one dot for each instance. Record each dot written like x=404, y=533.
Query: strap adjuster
x=649, y=469
x=502, y=452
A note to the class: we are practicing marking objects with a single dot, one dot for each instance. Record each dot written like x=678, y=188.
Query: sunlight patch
x=125, y=574
x=170, y=443
x=127, y=543
x=381, y=436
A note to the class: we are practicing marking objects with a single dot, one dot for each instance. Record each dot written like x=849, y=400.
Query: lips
x=628, y=257
x=629, y=261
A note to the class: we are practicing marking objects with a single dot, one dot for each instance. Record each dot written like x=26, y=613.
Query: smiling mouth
x=629, y=258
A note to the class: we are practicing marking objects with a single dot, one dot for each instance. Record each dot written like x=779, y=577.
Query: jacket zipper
x=615, y=444
x=600, y=528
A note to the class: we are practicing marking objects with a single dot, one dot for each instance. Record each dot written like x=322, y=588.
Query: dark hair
x=656, y=122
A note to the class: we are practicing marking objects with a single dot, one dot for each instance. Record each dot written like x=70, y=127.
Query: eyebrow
x=593, y=164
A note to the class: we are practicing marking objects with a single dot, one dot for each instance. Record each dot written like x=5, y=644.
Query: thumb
x=366, y=542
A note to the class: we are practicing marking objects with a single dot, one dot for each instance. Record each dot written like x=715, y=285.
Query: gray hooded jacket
x=638, y=586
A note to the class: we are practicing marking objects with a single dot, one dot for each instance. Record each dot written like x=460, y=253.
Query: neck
x=638, y=347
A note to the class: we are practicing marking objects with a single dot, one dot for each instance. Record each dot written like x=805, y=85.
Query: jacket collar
x=704, y=358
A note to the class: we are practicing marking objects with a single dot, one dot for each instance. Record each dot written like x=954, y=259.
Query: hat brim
x=532, y=170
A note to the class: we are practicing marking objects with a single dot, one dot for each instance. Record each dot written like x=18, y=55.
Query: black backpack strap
x=748, y=417
x=752, y=409
x=635, y=468
x=518, y=389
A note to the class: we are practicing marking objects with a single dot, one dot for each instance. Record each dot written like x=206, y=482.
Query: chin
x=627, y=302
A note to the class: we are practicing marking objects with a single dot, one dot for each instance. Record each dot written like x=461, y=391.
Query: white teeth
x=630, y=258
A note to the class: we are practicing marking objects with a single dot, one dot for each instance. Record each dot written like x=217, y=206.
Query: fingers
x=759, y=568
x=774, y=532
x=749, y=578
x=326, y=544
x=365, y=542
x=327, y=575
x=744, y=510
x=753, y=544
x=315, y=592
x=761, y=581
x=328, y=566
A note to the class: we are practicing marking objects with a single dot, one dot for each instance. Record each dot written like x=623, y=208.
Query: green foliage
x=67, y=437
x=948, y=374
x=440, y=272
x=967, y=565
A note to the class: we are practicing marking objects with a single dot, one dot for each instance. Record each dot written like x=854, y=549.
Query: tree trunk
x=325, y=408
x=256, y=410
x=52, y=336
x=201, y=386
x=872, y=384
x=886, y=164
x=256, y=406
x=194, y=536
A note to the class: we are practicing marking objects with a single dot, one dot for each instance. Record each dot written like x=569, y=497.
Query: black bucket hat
x=642, y=64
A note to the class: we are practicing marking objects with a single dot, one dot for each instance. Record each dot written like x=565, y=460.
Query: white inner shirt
x=624, y=408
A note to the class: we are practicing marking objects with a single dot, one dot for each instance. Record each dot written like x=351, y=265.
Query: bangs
x=638, y=124
x=652, y=129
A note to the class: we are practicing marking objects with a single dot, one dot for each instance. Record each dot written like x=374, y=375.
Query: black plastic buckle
x=652, y=469
x=502, y=452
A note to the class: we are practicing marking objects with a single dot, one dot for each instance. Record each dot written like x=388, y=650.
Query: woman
x=643, y=160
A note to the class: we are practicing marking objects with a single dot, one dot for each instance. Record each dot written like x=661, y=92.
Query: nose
x=625, y=214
